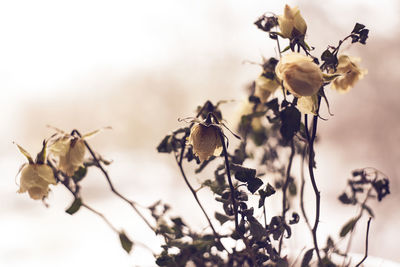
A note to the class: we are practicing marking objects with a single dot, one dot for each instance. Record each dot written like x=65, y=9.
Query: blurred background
x=137, y=66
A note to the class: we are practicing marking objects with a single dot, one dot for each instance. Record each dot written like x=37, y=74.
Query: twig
x=75, y=193
x=101, y=216
x=130, y=202
x=179, y=162
x=360, y=214
x=284, y=190
x=366, y=243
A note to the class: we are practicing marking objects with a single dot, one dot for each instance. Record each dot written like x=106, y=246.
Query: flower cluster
x=66, y=151
x=301, y=75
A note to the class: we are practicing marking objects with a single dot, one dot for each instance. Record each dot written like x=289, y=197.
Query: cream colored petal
x=46, y=173
x=308, y=104
x=30, y=178
x=38, y=193
x=286, y=26
x=60, y=146
x=300, y=24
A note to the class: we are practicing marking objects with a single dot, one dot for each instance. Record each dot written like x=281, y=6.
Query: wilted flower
x=205, y=141
x=300, y=75
x=350, y=73
x=292, y=23
x=265, y=87
x=36, y=176
x=71, y=152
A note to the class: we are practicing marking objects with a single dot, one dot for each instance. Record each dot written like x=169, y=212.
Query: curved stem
x=179, y=162
x=117, y=193
x=311, y=156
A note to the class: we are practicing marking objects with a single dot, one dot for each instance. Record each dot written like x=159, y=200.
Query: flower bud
x=292, y=23
x=205, y=141
x=71, y=152
x=350, y=73
x=300, y=75
x=265, y=87
x=35, y=178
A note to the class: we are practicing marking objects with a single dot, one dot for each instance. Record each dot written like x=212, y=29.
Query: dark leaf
x=307, y=258
x=357, y=28
x=254, y=184
x=79, y=174
x=178, y=221
x=295, y=218
x=126, y=243
x=291, y=118
x=364, y=36
x=345, y=199
x=243, y=174
x=74, y=206
x=273, y=105
x=221, y=218
x=165, y=145
x=326, y=55
x=349, y=226
x=256, y=228
x=165, y=260
x=381, y=187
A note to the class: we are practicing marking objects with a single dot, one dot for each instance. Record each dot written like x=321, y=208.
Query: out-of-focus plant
x=279, y=126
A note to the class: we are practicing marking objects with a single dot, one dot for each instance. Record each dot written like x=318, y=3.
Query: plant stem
x=228, y=173
x=130, y=202
x=285, y=208
x=179, y=162
x=366, y=243
x=101, y=216
x=311, y=157
x=303, y=182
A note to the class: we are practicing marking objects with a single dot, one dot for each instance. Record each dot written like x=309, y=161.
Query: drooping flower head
x=70, y=151
x=292, y=23
x=300, y=75
x=36, y=176
x=350, y=73
x=205, y=140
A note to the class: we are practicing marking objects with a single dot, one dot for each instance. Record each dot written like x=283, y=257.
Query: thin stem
x=130, y=202
x=101, y=216
x=366, y=243
x=303, y=182
x=76, y=196
x=285, y=208
x=194, y=191
x=360, y=214
x=311, y=156
x=228, y=173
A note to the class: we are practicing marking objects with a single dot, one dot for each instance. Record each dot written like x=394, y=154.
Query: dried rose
x=349, y=72
x=300, y=75
x=205, y=140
